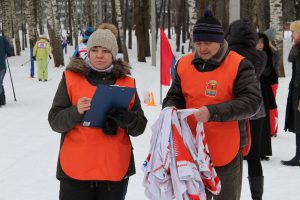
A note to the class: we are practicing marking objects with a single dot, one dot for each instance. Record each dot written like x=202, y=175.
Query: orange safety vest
x=87, y=153
x=213, y=87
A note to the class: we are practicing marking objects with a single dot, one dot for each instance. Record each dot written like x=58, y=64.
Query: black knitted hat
x=208, y=29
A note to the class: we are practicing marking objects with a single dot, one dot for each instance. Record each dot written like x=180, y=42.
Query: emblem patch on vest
x=211, y=88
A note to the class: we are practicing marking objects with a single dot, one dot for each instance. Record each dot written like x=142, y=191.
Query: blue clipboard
x=105, y=98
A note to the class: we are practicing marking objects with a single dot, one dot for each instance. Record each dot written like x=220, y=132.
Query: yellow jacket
x=42, y=48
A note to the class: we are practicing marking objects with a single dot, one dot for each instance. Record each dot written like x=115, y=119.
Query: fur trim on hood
x=120, y=69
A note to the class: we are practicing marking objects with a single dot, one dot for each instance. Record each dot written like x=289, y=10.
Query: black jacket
x=63, y=116
x=242, y=38
x=246, y=91
x=270, y=75
x=6, y=50
x=292, y=116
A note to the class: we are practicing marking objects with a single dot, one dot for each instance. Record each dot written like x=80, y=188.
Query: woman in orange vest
x=95, y=163
x=221, y=84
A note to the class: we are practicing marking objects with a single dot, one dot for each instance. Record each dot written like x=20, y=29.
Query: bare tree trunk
x=146, y=18
x=6, y=22
x=39, y=15
x=183, y=10
x=297, y=7
x=81, y=13
x=263, y=14
x=74, y=21
x=178, y=23
x=202, y=7
x=222, y=12
x=16, y=28
x=30, y=16
x=276, y=22
x=288, y=11
x=125, y=17
x=121, y=30
x=94, y=14
x=19, y=19
x=65, y=15
x=89, y=12
x=99, y=11
x=32, y=30
x=160, y=16
x=23, y=24
x=139, y=30
x=71, y=16
x=169, y=19
x=24, y=36
x=54, y=32
x=114, y=21
x=130, y=23
x=108, y=16
x=247, y=9
x=192, y=19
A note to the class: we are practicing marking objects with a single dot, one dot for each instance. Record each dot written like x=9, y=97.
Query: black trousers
x=2, y=97
x=298, y=145
x=231, y=180
x=93, y=190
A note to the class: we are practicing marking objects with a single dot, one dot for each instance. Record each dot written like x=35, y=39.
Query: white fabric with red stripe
x=178, y=165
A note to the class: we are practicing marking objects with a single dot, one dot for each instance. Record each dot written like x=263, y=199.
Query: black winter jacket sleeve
x=174, y=96
x=63, y=116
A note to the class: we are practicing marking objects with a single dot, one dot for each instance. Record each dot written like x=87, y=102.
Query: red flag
x=167, y=59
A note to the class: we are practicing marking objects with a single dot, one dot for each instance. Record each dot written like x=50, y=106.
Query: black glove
x=110, y=126
x=33, y=57
x=50, y=57
x=118, y=118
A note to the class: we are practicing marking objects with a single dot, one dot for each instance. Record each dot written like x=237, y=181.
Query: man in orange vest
x=221, y=84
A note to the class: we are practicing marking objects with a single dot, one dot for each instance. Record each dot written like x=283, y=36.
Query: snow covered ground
x=29, y=148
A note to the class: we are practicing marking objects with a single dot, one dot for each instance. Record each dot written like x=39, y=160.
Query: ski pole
x=25, y=62
x=44, y=69
x=12, y=84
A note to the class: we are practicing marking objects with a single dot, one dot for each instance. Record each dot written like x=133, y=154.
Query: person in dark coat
x=95, y=163
x=5, y=51
x=269, y=81
x=292, y=117
x=242, y=38
x=222, y=85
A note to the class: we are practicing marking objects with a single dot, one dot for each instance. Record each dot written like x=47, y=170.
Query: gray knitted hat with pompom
x=103, y=38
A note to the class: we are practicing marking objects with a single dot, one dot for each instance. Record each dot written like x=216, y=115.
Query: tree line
x=132, y=17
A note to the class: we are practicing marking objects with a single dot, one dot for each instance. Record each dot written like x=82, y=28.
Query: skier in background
x=5, y=51
x=81, y=51
x=64, y=44
x=41, y=52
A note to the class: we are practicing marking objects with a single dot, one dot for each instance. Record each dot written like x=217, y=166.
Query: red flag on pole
x=167, y=59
